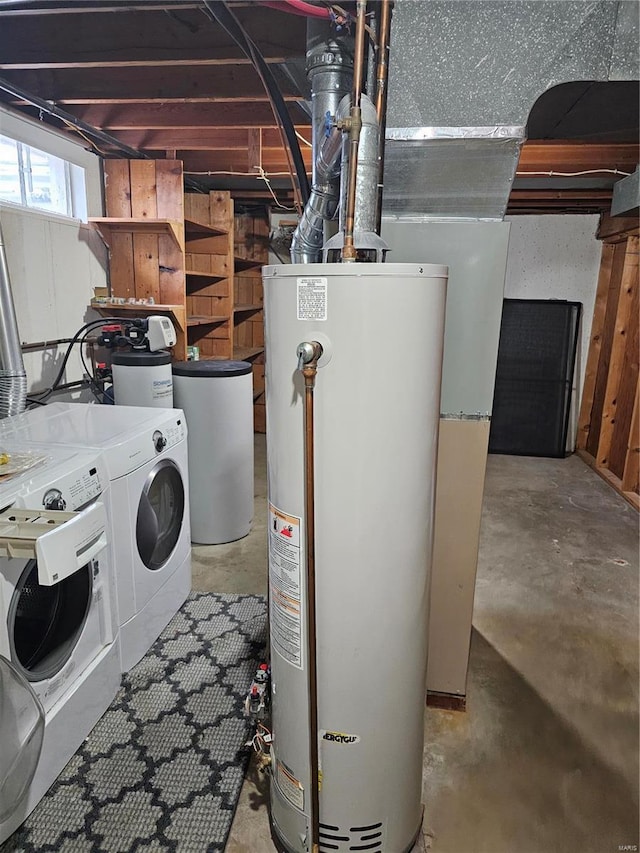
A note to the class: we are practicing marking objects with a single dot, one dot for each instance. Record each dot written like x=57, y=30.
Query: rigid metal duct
x=367, y=176
x=330, y=69
x=457, y=112
x=13, y=377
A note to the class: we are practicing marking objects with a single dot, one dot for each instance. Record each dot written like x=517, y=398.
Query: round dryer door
x=21, y=735
x=45, y=622
x=160, y=514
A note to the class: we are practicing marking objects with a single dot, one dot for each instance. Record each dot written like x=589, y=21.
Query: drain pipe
x=13, y=377
x=329, y=68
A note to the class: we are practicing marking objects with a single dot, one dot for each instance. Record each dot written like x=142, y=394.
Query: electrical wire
x=221, y=14
x=574, y=174
x=263, y=176
x=302, y=139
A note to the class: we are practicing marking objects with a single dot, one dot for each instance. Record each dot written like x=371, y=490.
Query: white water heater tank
x=377, y=406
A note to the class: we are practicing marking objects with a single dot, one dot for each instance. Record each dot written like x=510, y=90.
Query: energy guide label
x=312, y=298
x=284, y=576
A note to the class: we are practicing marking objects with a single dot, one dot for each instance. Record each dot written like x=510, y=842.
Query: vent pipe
x=13, y=378
x=330, y=71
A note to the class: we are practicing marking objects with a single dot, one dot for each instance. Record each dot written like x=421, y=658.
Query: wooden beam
x=170, y=116
x=165, y=84
x=630, y=496
x=595, y=346
x=614, y=229
x=254, y=148
x=628, y=297
x=631, y=475
x=205, y=139
x=144, y=36
x=236, y=161
x=563, y=156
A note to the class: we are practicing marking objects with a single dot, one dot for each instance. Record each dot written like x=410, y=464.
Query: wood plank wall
x=608, y=429
x=144, y=265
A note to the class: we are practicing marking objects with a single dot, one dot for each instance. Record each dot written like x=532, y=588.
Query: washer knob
x=53, y=500
x=159, y=441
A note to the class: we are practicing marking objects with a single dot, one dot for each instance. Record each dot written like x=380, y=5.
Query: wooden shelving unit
x=200, y=265
x=251, y=253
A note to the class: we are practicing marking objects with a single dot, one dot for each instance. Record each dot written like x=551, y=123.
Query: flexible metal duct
x=13, y=378
x=330, y=69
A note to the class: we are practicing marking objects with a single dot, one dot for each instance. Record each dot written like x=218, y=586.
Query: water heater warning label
x=284, y=579
x=290, y=786
x=312, y=298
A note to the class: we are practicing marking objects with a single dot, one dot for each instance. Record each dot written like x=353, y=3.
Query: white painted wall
x=54, y=262
x=557, y=257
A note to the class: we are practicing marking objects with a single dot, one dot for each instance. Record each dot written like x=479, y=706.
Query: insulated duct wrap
x=13, y=377
x=486, y=65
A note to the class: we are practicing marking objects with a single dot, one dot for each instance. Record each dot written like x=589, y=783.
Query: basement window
x=34, y=179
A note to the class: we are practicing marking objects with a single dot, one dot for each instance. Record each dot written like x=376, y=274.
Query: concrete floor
x=545, y=759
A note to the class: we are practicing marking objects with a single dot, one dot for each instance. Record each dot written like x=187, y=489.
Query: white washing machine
x=59, y=654
x=145, y=451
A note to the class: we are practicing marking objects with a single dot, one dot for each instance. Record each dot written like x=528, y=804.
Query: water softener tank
x=142, y=379
x=377, y=405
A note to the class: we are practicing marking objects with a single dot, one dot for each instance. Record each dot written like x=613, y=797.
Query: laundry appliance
x=145, y=452
x=59, y=655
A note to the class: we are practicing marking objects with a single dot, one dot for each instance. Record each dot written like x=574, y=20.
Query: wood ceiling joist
x=143, y=36
x=234, y=161
x=564, y=156
x=169, y=116
x=177, y=82
x=204, y=138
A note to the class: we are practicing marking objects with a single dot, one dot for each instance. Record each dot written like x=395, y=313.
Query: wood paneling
x=608, y=426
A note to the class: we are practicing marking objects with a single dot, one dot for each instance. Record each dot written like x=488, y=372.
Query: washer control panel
x=169, y=435
x=76, y=489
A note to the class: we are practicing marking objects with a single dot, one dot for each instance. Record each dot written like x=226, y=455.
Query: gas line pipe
x=309, y=354
x=354, y=126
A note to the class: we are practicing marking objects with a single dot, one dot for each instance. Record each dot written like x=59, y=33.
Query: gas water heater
x=351, y=488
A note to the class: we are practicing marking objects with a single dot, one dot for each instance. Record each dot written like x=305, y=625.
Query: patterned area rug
x=163, y=768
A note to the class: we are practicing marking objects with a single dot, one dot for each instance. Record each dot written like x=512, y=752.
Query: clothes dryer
x=59, y=653
x=145, y=451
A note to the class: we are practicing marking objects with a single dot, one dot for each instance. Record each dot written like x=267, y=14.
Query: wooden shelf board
x=247, y=353
x=239, y=354
x=210, y=276
x=240, y=264
x=238, y=309
x=133, y=308
x=201, y=320
x=203, y=229
x=107, y=226
x=110, y=309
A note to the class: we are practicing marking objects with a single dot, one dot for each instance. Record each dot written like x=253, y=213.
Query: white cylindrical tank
x=142, y=379
x=377, y=405
x=217, y=400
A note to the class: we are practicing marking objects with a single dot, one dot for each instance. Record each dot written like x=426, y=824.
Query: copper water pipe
x=309, y=353
x=382, y=74
x=355, y=124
